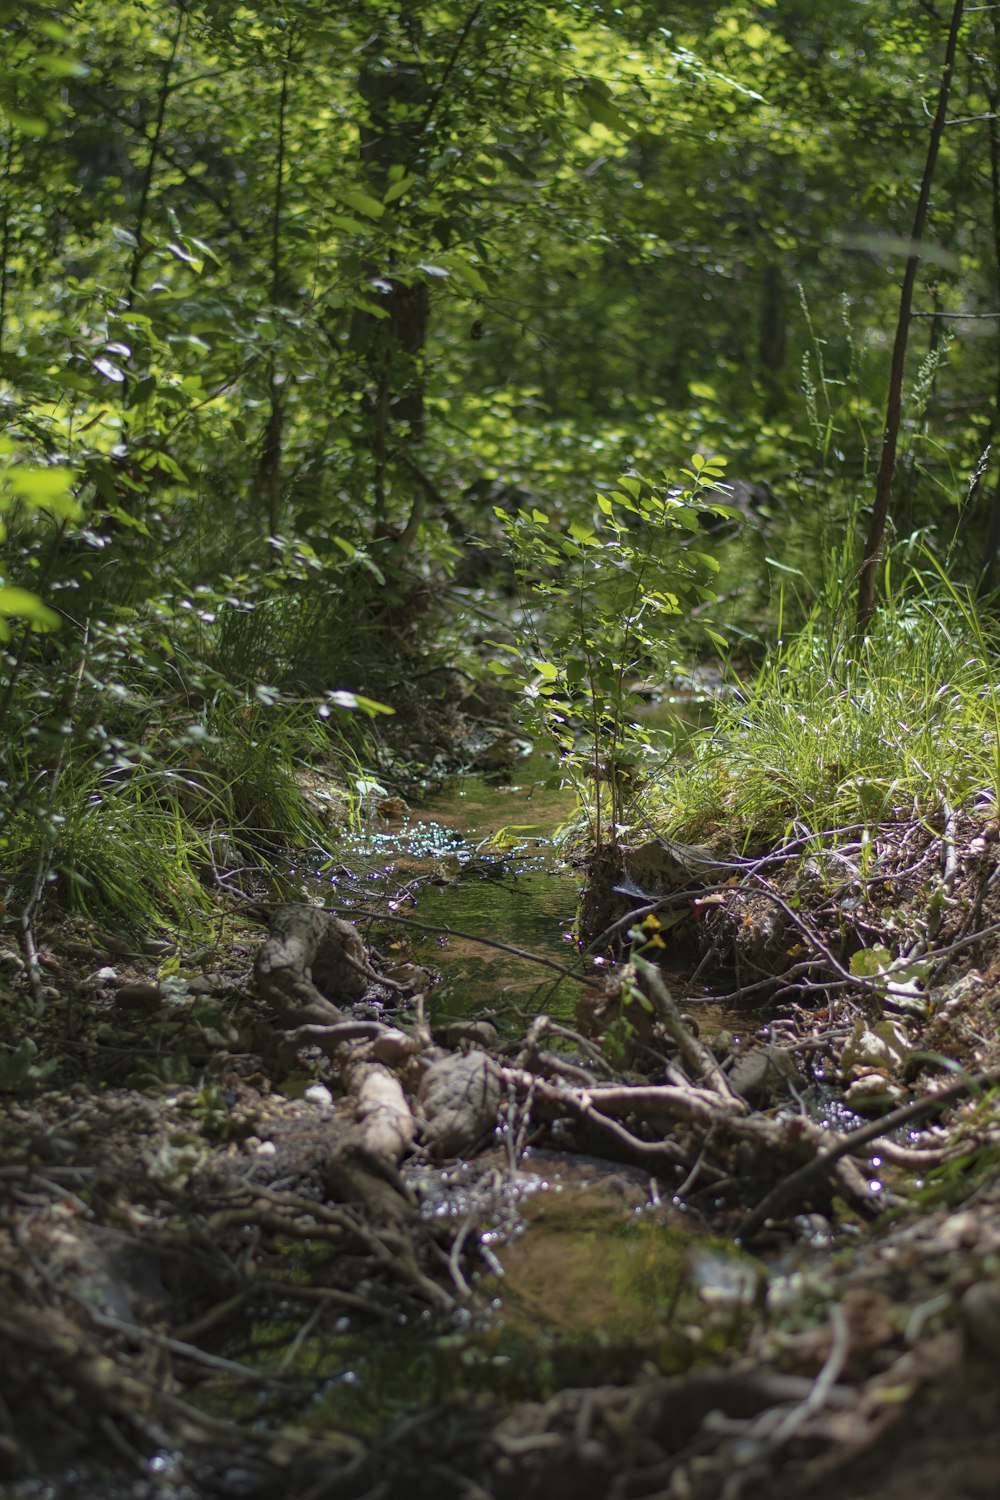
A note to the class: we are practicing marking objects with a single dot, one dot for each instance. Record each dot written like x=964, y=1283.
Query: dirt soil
x=182, y=1159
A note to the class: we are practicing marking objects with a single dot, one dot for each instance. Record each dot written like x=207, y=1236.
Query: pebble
x=318, y=1093
x=139, y=997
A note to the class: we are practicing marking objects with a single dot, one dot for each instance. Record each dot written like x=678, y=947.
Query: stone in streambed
x=459, y=1097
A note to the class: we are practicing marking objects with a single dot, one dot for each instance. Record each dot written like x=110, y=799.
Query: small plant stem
x=894, y=395
x=47, y=841
x=992, y=89
x=267, y=482
x=138, y=254
x=5, y=233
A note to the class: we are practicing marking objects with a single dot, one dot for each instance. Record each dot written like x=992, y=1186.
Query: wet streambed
x=585, y=1264
x=478, y=860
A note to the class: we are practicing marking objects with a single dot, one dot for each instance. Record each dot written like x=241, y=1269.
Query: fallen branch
x=786, y=1190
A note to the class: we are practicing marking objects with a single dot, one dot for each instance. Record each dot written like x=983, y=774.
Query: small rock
x=318, y=1093
x=142, y=998
x=979, y=1311
x=205, y=984
x=765, y=1075
x=112, y=943
x=459, y=1096
x=873, y=1094
x=257, y=1147
x=477, y=1033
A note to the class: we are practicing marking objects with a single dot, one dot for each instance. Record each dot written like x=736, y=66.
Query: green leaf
x=461, y=269
x=870, y=962
x=397, y=189
x=121, y=517
x=109, y=369
x=186, y=255
x=21, y=604
x=60, y=66
x=362, y=203
x=595, y=96
x=353, y=226
x=26, y=124
x=341, y=698
x=517, y=166
x=48, y=489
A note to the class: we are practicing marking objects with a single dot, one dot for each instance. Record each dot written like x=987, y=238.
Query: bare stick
x=789, y=1187
x=894, y=395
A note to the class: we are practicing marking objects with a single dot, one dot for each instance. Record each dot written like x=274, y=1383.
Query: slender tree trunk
x=139, y=252
x=894, y=396
x=989, y=577
x=403, y=112
x=5, y=233
x=267, y=480
x=392, y=347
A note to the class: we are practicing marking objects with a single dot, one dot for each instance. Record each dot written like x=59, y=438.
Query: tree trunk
x=894, y=396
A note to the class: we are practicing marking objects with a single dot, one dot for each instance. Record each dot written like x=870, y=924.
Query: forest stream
x=582, y=1255
x=397, y=1188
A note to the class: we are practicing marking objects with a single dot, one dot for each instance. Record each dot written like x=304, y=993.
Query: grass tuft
x=833, y=733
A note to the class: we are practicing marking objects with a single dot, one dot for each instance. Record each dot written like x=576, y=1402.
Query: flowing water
x=585, y=1263
x=477, y=862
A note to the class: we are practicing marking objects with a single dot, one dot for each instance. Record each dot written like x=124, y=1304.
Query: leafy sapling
x=601, y=603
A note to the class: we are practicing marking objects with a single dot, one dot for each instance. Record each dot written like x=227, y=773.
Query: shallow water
x=476, y=860
x=587, y=1270
x=581, y=1260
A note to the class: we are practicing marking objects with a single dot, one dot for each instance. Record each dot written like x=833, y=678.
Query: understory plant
x=834, y=732
x=600, y=604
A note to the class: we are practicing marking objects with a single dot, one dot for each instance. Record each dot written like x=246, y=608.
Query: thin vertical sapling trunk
x=5, y=232
x=989, y=577
x=166, y=84
x=267, y=480
x=894, y=396
x=404, y=114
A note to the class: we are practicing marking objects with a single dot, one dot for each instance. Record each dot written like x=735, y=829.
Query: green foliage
x=600, y=604
x=116, y=847
x=834, y=734
x=281, y=292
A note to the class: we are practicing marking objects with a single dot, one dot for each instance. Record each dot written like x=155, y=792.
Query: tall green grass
x=833, y=732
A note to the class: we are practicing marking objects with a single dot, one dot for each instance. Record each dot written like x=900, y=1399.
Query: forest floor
x=226, y=1175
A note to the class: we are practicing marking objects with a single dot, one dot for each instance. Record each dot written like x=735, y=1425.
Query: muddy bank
x=269, y=1222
